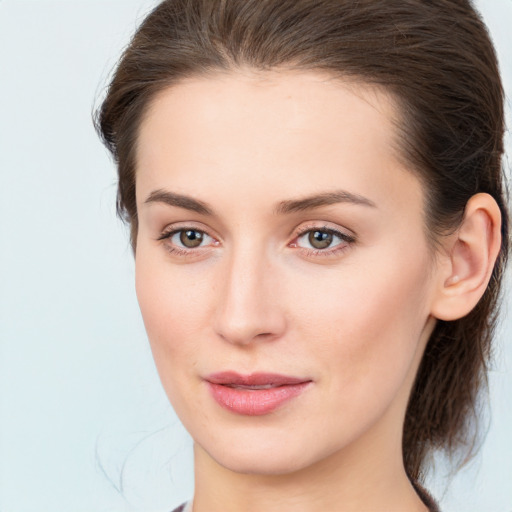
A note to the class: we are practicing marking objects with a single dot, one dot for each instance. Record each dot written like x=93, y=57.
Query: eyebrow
x=322, y=199
x=179, y=200
x=282, y=208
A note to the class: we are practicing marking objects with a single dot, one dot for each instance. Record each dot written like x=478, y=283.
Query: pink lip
x=243, y=394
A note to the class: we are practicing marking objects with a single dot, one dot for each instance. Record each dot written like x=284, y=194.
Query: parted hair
x=436, y=59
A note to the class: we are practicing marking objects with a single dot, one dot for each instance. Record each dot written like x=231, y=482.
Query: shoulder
x=184, y=507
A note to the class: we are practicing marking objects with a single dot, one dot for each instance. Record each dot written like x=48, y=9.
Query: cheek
x=174, y=306
x=365, y=322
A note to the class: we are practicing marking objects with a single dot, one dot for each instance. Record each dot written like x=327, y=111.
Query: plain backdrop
x=84, y=423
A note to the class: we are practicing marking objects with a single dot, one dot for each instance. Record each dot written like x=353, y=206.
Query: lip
x=255, y=394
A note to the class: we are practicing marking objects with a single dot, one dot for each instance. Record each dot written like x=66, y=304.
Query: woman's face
x=282, y=267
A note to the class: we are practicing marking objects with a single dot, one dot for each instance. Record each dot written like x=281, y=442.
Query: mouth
x=256, y=394
x=254, y=388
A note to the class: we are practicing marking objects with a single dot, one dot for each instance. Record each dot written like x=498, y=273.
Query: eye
x=323, y=240
x=185, y=240
x=320, y=239
x=190, y=238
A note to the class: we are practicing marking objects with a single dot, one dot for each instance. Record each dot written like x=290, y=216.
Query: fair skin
x=247, y=293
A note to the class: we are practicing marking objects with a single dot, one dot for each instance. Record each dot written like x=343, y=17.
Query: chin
x=269, y=455
x=261, y=463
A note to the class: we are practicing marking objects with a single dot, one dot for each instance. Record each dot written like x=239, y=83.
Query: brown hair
x=435, y=57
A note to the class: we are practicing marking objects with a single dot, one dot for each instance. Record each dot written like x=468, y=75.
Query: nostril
x=247, y=308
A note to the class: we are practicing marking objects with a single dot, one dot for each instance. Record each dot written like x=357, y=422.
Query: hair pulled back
x=435, y=58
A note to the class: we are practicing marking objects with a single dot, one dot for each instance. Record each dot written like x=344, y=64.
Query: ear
x=466, y=263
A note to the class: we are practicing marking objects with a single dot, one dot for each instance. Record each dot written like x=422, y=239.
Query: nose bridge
x=247, y=305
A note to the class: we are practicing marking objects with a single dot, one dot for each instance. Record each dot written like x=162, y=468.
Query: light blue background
x=80, y=400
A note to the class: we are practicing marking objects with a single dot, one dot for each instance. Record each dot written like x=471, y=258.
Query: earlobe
x=468, y=260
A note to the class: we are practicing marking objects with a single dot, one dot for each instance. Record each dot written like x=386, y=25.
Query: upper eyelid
x=295, y=232
x=173, y=229
x=324, y=227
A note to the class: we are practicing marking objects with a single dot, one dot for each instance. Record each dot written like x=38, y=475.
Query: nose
x=248, y=303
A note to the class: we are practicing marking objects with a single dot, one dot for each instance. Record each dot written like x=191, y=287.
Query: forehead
x=271, y=133
x=286, y=102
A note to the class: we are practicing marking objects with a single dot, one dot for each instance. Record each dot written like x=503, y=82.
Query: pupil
x=191, y=238
x=320, y=239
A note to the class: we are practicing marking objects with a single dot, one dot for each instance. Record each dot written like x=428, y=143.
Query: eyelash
x=346, y=241
x=167, y=235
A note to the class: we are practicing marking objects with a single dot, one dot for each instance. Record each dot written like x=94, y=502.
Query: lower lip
x=255, y=402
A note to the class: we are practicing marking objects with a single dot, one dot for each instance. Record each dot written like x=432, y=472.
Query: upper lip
x=230, y=378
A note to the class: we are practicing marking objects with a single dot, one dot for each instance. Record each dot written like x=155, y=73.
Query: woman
x=316, y=203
